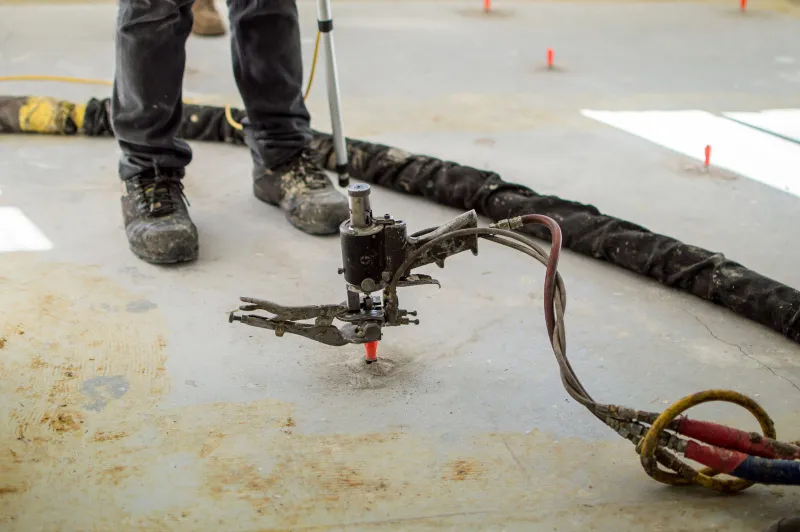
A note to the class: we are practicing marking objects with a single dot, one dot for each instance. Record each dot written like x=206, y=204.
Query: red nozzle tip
x=372, y=351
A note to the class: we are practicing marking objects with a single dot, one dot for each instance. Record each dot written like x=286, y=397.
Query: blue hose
x=768, y=471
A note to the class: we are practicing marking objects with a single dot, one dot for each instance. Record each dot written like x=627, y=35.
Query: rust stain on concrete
x=101, y=436
x=63, y=421
x=464, y=469
x=114, y=475
x=61, y=331
x=252, y=466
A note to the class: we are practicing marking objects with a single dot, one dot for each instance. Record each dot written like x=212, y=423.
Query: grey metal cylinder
x=360, y=208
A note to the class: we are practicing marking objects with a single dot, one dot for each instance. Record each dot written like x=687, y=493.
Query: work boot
x=207, y=22
x=156, y=218
x=303, y=190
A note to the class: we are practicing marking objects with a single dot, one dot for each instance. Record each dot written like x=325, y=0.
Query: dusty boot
x=303, y=190
x=157, y=221
x=207, y=21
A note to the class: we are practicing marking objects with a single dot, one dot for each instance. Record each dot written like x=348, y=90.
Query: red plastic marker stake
x=372, y=352
x=549, y=58
x=487, y=5
x=708, y=156
x=743, y=5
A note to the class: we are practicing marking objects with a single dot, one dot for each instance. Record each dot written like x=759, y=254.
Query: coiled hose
x=750, y=457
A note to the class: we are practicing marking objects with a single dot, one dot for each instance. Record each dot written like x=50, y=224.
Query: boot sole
x=311, y=230
x=181, y=258
x=262, y=195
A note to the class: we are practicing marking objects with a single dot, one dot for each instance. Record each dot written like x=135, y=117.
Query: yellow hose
x=229, y=117
x=313, y=66
x=648, y=446
x=62, y=79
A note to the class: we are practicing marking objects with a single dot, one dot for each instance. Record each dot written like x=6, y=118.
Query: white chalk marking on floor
x=18, y=233
x=738, y=148
x=781, y=122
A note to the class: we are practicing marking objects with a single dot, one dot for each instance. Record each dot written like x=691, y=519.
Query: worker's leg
x=146, y=113
x=268, y=68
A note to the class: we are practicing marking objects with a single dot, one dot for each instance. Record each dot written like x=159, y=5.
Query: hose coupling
x=509, y=223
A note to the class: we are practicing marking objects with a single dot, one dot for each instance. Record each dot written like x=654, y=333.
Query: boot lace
x=162, y=193
x=311, y=173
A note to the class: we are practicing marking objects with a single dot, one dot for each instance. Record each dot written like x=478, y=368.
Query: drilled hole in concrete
x=381, y=367
x=370, y=376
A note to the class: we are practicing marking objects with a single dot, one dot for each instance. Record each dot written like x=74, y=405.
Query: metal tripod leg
x=325, y=22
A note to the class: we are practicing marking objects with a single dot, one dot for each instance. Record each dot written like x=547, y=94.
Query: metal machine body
x=375, y=250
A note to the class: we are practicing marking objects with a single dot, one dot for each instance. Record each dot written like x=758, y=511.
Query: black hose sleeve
x=204, y=122
x=97, y=118
x=9, y=113
x=789, y=524
x=585, y=229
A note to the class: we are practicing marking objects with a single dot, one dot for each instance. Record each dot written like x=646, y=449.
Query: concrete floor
x=129, y=403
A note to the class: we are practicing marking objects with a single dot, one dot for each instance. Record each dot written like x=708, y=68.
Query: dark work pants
x=146, y=108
